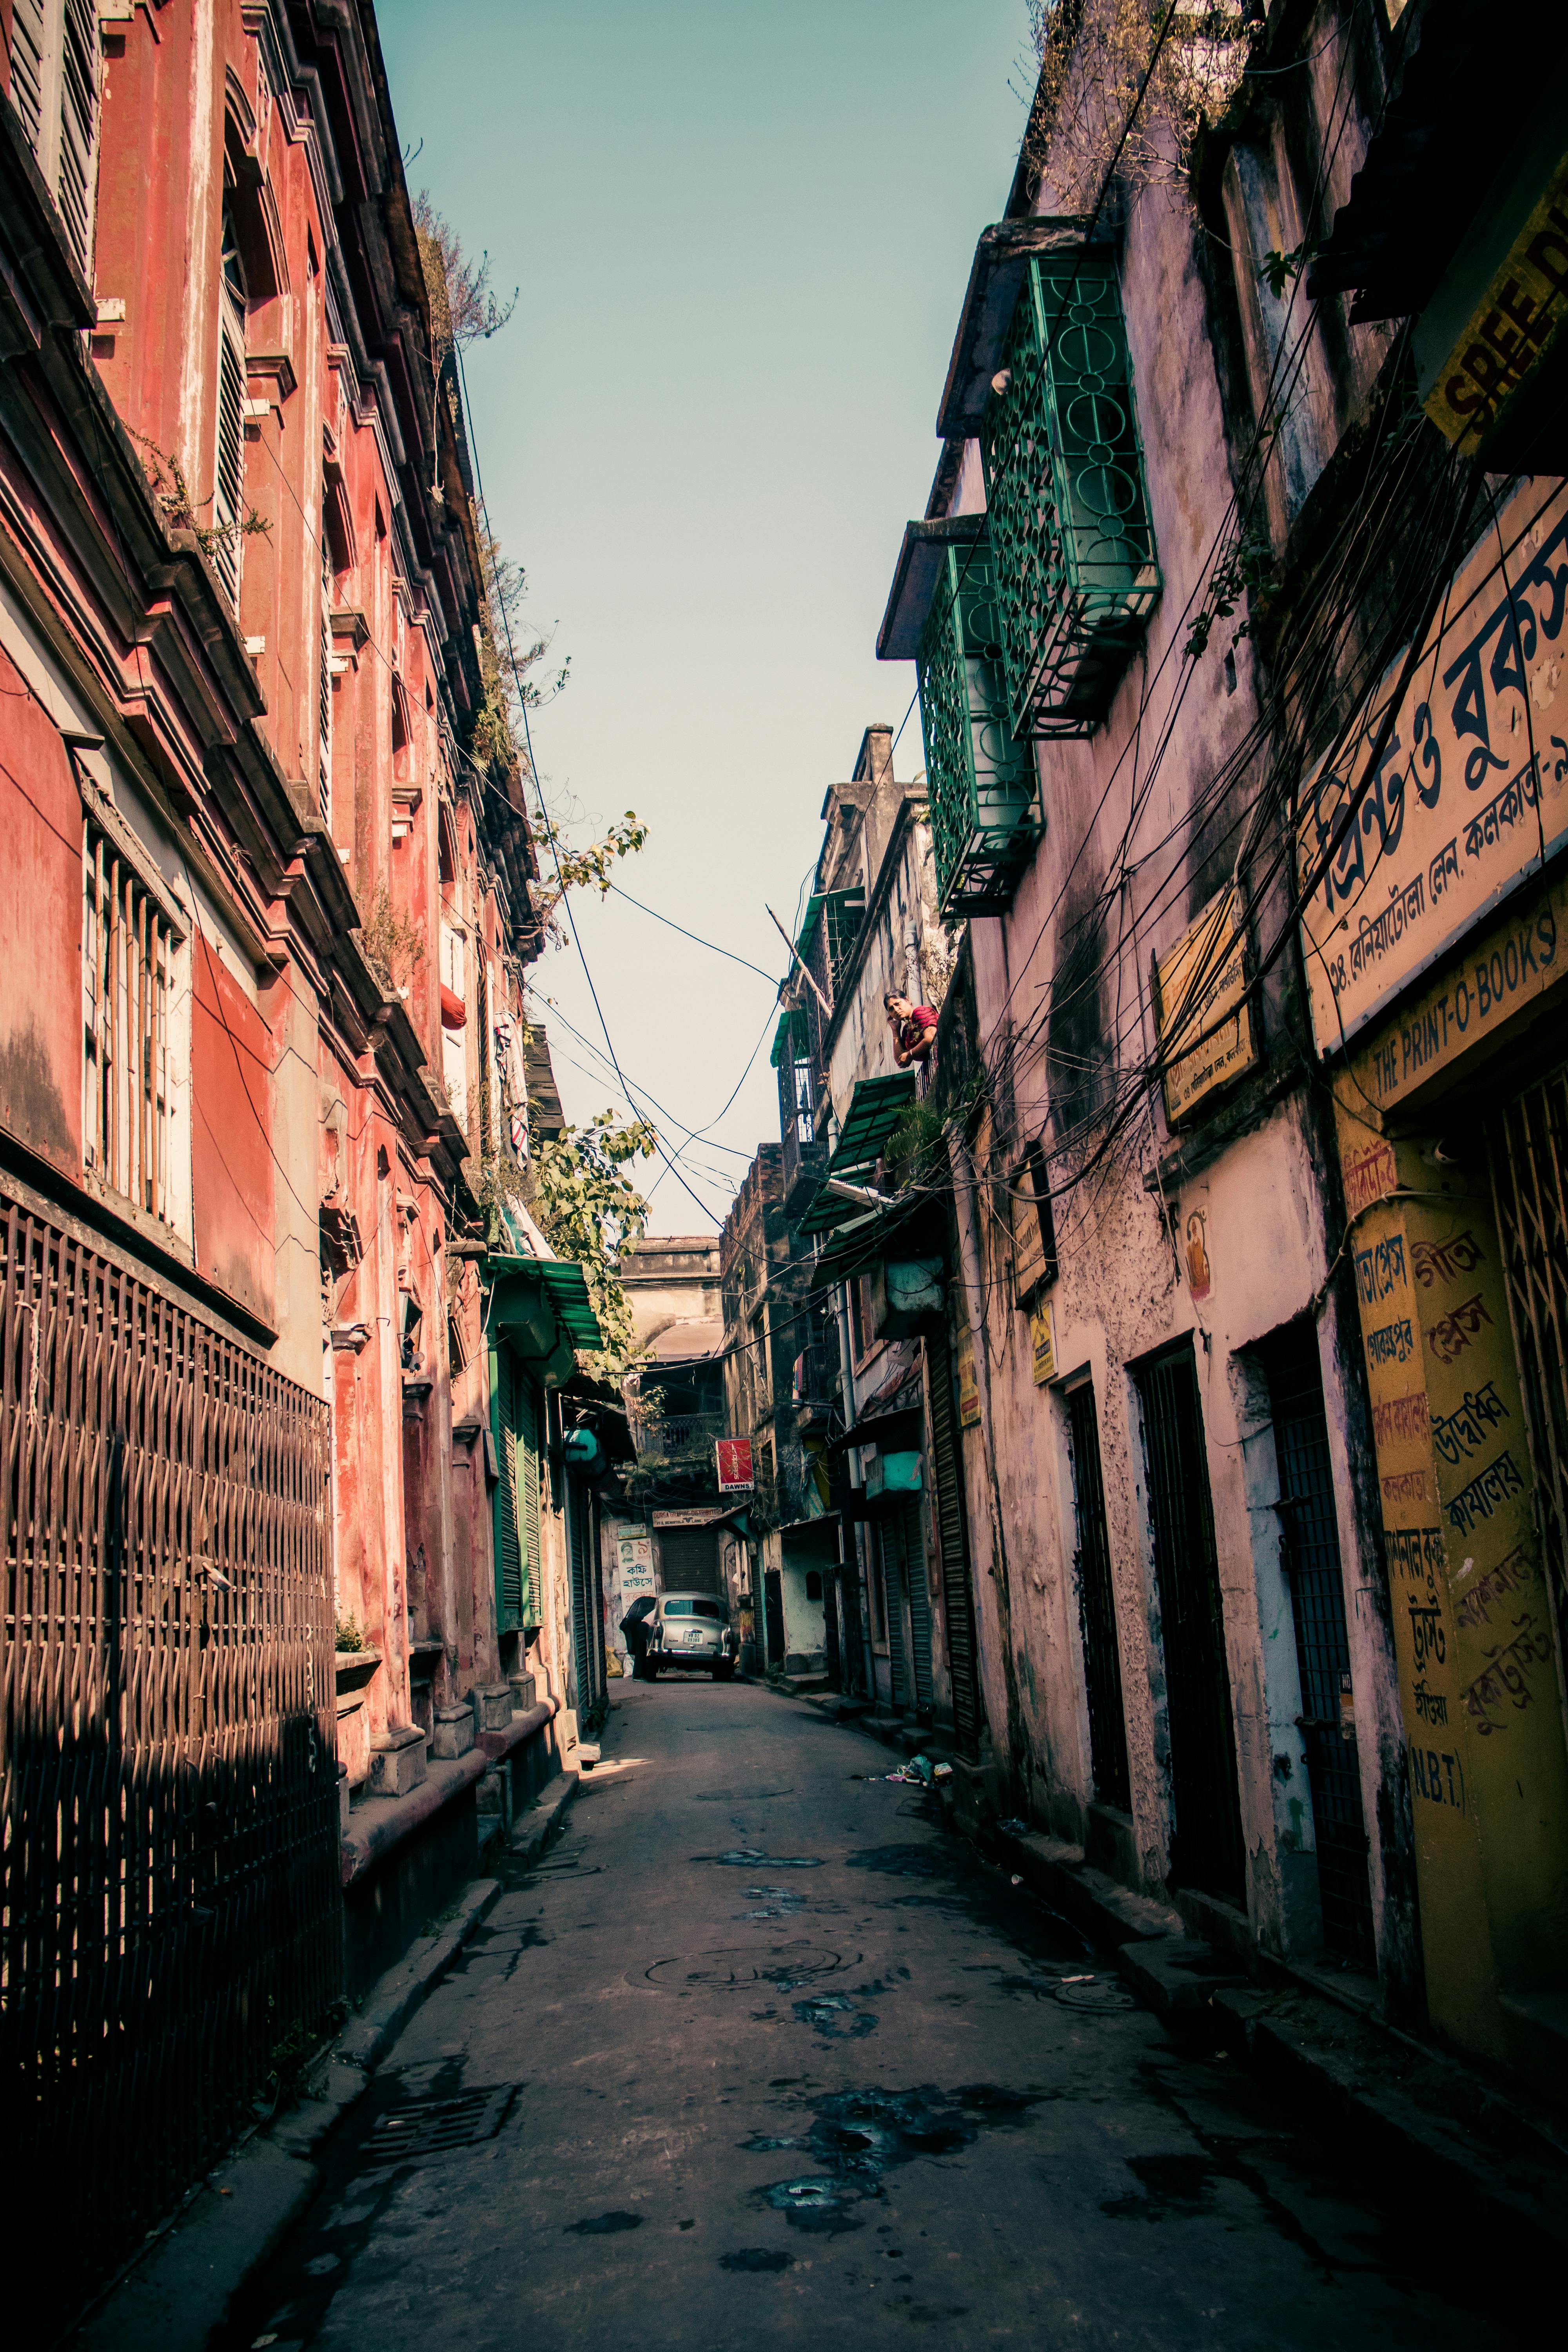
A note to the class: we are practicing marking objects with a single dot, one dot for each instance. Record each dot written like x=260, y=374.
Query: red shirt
x=913, y=1032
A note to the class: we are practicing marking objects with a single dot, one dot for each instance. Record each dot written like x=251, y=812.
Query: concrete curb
x=538, y=1823
x=186, y=2283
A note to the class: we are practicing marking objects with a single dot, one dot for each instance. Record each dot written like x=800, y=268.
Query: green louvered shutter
x=509, y=1566
x=528, y=1449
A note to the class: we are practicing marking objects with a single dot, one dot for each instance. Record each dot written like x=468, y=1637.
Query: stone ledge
x=380, y=1825
x=364, y=2039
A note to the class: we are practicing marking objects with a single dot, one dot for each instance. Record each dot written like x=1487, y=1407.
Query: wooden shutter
x=29, y=73
x=78, y=127
x=529, y=1450
x=509, y=1569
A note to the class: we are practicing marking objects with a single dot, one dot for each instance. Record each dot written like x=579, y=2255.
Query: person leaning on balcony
x=913, y=1027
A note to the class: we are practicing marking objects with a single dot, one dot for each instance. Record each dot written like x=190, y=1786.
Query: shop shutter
x=579, y=1525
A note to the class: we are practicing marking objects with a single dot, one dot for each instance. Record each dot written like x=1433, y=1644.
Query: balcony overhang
x=922, y=560
x=540, y=1307
x=876, y=1107
x=995, y=280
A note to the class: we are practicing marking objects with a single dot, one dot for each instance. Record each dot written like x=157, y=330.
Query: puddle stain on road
x=857, y=2134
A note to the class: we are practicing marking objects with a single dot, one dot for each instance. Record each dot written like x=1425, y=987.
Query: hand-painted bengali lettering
x=1432, y=1262
x=1380, y=1268
x=1426, y=1631
x=1457, y=1331
x=1377, y=936
x=1405, y=1486
x=1465, y=1430
x=1430, y=1705
x=1416, y=1553
x=1394, y=1343
x=1495, y=1485
x=1512, y=1573
x=1369, y=1174
x=1400, y=1416
x=1518, y=796
x=1505, y=1677
x=1444, y=867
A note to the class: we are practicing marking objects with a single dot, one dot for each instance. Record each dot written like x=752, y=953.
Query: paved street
x=759, y=2055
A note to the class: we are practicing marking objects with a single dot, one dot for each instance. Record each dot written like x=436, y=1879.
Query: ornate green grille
x=985, y=791
x=1068, y=504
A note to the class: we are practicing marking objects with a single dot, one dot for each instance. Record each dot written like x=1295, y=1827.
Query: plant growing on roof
x=392, y=949
x=588, y=1209
x=179, y=508
x=1096, y=57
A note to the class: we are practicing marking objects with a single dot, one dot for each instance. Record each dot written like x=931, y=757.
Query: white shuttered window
x=229, y=472
x=130, y=948
x=54, y=80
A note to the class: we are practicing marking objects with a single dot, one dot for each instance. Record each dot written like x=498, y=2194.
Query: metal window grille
x=1530, y=1177
x=985, y=811
x=1207, y=1844
x=325, y=682
x=958, y=1606
x=128, y=958
x=1096, y=1606
x=228, y=469
x=172, y=1908
x=1068, y=505
x=1310, y=1533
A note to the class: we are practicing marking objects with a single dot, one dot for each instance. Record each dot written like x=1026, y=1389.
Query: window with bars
x=228, y=469
x=55, y=92
x=324, y=681
x=130, y=951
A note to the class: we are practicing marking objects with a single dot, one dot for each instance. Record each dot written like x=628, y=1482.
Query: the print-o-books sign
x=1471, y=794
x=1206, y=1036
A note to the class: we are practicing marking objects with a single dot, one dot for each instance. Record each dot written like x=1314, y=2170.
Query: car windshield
x=694, y=1609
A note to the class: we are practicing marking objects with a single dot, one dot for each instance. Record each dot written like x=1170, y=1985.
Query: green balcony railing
x=984, y=789
x=1066, y=500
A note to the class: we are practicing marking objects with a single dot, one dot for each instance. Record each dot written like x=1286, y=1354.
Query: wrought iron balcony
x=682, y=1440
x=1068, y=506
x=986, y=813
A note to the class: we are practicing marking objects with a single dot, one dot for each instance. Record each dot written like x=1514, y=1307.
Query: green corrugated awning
x=827, y=1213
x=538, y=1300
x=791, y=1032
x=564, y=1280
x=876, y=1108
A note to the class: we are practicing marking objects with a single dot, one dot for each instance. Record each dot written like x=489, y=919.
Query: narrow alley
x=758, y=2055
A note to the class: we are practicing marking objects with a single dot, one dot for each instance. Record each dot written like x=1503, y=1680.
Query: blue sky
x=742, y=237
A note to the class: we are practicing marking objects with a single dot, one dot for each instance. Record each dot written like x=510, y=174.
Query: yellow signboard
x=1472, y=790
x=1043, y=1341
x=1201, y=1006
x=1511, y=325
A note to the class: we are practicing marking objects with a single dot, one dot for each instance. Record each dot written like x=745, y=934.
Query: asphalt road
x=760, y=2056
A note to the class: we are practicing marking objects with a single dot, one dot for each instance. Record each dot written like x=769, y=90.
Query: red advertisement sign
x=735, y=1465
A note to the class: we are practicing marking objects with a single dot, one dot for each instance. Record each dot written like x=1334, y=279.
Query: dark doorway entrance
x=1206, y=1846
x=1322, y=1649
x=1096, y=1606
x=773, y=1615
